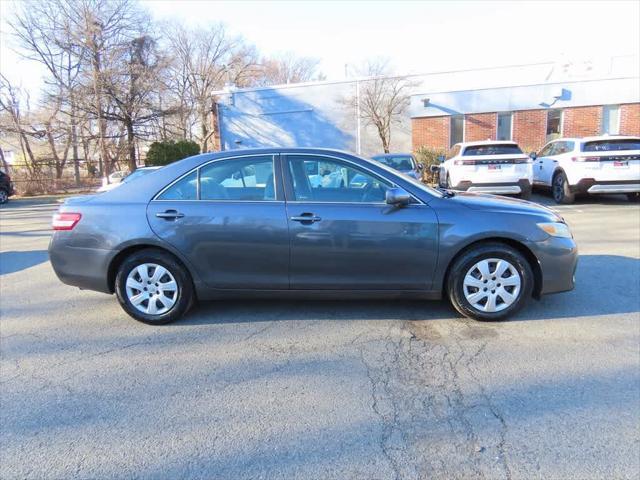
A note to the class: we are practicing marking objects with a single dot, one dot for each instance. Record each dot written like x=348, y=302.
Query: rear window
x=611, y=145
x=506, y=149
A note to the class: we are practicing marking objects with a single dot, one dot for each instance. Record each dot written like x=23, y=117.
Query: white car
x=605, y=164
x=497, y=167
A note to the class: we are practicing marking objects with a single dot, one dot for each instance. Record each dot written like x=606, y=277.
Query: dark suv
x=6, y=188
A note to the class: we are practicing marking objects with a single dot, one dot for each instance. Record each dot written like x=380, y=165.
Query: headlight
x=556, y=229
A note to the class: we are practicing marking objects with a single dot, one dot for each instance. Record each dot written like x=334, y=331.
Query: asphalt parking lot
x=282, y=389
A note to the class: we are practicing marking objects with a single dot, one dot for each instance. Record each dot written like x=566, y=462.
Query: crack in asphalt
x=420, y=381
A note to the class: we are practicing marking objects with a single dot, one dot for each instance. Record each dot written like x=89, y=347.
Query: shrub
x=164, y=153
x=427, y=157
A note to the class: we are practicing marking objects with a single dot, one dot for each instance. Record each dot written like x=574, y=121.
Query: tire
x=449, y=185
x=461, y=293
x=525, y=194
x=633, y=197
x=4, y=196
x=561, y=190
x=149, y=260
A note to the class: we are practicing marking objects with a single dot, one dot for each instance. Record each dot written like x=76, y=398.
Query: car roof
x=608, y=137
x=594, y=138
x=488, y=142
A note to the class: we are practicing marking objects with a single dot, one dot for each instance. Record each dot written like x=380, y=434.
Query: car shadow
x=605, y=285
x=546, y=199
x=12, y=261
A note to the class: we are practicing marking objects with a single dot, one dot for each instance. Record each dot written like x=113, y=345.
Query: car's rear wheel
x=561, y=190
x=490, y=282
x=4, y=196
x=633, y=197
x=525, y=193
x=153, y=287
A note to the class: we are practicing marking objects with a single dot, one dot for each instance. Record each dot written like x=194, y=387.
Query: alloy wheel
x=151, y=289
x=558, y=188
x=491, y=285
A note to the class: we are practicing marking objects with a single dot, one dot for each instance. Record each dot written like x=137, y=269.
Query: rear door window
x=184, y=189
x=249, y=179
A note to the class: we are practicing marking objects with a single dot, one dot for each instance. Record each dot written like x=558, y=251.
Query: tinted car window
x=611, y=145
x=400, y=162
x=562, y=147
x=506, y=149
x=320, y=179
x=249, y=179
x=546, y=151
x=184, y=189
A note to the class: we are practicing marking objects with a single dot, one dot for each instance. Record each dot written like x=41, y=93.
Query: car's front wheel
x=4, y=196
x=490, y=282
x=153, y=287
x=561, y=189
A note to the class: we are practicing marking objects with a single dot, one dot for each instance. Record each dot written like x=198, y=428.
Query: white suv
x=496, y=167
x=606, y=164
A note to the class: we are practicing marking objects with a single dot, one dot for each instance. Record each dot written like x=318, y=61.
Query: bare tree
x=382, y=100
x=209, y=58
x=44, y=35
x=289, y=68
x=134, y=91
x=14, y=121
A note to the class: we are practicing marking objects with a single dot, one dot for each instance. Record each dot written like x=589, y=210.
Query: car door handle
x=306, y=218
x=170, y=214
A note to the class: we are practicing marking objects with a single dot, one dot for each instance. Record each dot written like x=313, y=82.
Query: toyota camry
x=306, y=222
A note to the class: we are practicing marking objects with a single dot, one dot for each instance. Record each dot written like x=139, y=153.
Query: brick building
x=526, y=103
x=528, y=114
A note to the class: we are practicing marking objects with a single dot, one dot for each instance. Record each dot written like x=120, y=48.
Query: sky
x=417, y=36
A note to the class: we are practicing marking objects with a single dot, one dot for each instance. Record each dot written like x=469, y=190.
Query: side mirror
x=533, y=155
x=397, y=196
x=420, y=166
x=441, y=158
x=434, y=168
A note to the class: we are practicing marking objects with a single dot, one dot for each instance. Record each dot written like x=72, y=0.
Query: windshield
x=399, y=162
x=612, y=145
x=495, y=149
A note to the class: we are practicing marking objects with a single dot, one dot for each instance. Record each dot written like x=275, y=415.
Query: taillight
x=521, y=160
x=65, y=221
x=585, y=159
x=464, y=162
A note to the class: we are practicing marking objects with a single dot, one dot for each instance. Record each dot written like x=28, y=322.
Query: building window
x=554, y=124
x=610, y=119
x=504, y=125
x=456, y=134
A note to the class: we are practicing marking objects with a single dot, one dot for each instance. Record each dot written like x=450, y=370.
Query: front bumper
x=512, y=188
x=558, y=260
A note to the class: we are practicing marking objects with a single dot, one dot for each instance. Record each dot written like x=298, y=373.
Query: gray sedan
x=306, y=222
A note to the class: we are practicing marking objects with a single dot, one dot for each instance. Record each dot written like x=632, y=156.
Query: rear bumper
x=85, y=268
x=558, y=260
x=591, y=185
x=508, y=188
